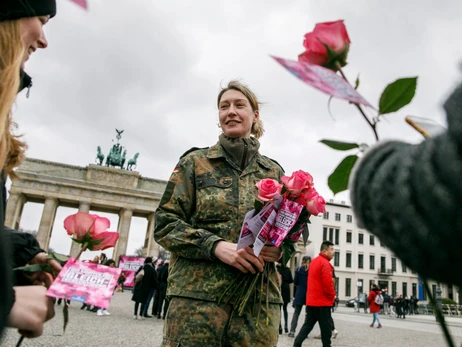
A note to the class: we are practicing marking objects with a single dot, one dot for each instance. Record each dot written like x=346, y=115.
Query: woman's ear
x=257, y=114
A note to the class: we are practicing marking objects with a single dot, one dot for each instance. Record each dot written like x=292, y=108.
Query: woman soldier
x=25, y=308
x=199, y=220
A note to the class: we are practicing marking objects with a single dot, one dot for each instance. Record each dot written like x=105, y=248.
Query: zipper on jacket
x=244, y=156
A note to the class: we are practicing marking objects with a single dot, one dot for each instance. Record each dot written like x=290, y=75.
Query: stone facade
x=96, y=188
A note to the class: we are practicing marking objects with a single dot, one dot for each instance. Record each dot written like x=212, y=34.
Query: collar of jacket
x=325, y=257
x=25, y=82
x=217, y=151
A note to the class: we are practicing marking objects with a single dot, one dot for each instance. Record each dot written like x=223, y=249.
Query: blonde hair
x=257, y=127
x=12, y=50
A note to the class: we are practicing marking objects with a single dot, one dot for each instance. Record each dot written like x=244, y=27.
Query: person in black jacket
x=410, y=196
x=143, y=286
x=300, y=281
x=286, y=279
x=25, y=308
x=163, y=300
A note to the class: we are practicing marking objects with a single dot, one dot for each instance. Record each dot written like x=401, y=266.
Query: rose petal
x=78, y=224
x=109, y=240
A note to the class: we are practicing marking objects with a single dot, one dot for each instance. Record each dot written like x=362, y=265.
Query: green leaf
x=340, y=146
x=397, y=95
x=65, y=315
x=357, y=82
x=257, y=205
x=34, y=268
x=306, y=234
x=59, y=257
x=338, y=180
x=288, y=250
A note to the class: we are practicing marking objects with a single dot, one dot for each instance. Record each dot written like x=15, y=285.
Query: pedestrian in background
x=375, y=300
x=286, y=280
x=300, y=282
x=320, y=296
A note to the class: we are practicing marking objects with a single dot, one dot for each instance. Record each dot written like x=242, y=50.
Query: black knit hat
x=15, y=9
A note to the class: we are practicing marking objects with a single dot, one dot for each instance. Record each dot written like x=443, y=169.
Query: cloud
x=154, y=69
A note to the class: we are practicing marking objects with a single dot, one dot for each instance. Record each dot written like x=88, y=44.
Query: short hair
x=325, y=245
x=148, y=260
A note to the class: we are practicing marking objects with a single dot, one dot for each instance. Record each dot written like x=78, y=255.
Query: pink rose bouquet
x=281, y=215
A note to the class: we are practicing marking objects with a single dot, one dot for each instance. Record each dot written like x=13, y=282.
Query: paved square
x=120, y=329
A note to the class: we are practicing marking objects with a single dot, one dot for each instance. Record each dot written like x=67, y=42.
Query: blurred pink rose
x=299, y=181
x=91, y=229
x=77, y=225
x=326, y=44
x=268, y=189
x=316, y=205
x=306, y=195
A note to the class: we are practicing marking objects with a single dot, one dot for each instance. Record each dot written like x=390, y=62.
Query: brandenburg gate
x=93, y=188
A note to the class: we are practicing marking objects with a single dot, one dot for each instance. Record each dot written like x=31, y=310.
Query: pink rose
x=91, y=229
x=268, y=189
x=299, y=181
x=77, y=225
x=327, y=44
x=306, y=195
x=316, y=205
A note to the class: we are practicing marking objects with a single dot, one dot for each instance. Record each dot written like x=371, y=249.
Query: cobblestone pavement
x=120, y=329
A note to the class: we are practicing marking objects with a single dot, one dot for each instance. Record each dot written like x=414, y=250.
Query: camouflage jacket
x=205, y=201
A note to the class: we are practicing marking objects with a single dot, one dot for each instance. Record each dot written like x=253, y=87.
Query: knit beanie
x=16, y=9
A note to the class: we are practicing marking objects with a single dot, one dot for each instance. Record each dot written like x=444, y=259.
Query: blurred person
x=300, y=281
x=320, y=296
x=286, y=280
x=27, y=307
x=374, y=304
x=423, y=180
x=163, y=283
x=144, y=286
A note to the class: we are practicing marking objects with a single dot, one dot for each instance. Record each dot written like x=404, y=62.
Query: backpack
x=379, y=299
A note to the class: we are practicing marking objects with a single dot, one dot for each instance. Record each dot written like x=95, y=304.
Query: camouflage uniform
x=204, y=202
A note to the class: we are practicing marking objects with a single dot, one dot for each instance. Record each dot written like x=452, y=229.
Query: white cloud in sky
x=154, y=68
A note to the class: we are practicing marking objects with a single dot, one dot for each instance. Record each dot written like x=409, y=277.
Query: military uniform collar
x=217, y=151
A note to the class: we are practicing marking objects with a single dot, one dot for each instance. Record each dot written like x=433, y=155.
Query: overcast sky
x=154, y=68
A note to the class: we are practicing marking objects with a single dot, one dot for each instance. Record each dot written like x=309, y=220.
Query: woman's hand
x=243, y=259
x=44, y=278
x=270, y=253
x=31, y=309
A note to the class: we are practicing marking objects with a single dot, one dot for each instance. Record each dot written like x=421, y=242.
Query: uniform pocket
x=214, y=198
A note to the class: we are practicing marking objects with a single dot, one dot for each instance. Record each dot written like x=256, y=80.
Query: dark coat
x=144, y=287
x=287, y=279
x=301, y=281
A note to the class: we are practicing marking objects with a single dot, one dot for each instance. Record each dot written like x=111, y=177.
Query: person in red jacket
x=374, y=304
x=320, y=296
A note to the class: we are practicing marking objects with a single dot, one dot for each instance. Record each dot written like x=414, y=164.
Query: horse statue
x=132, y=162
x=99, y=156
x=114, y=159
